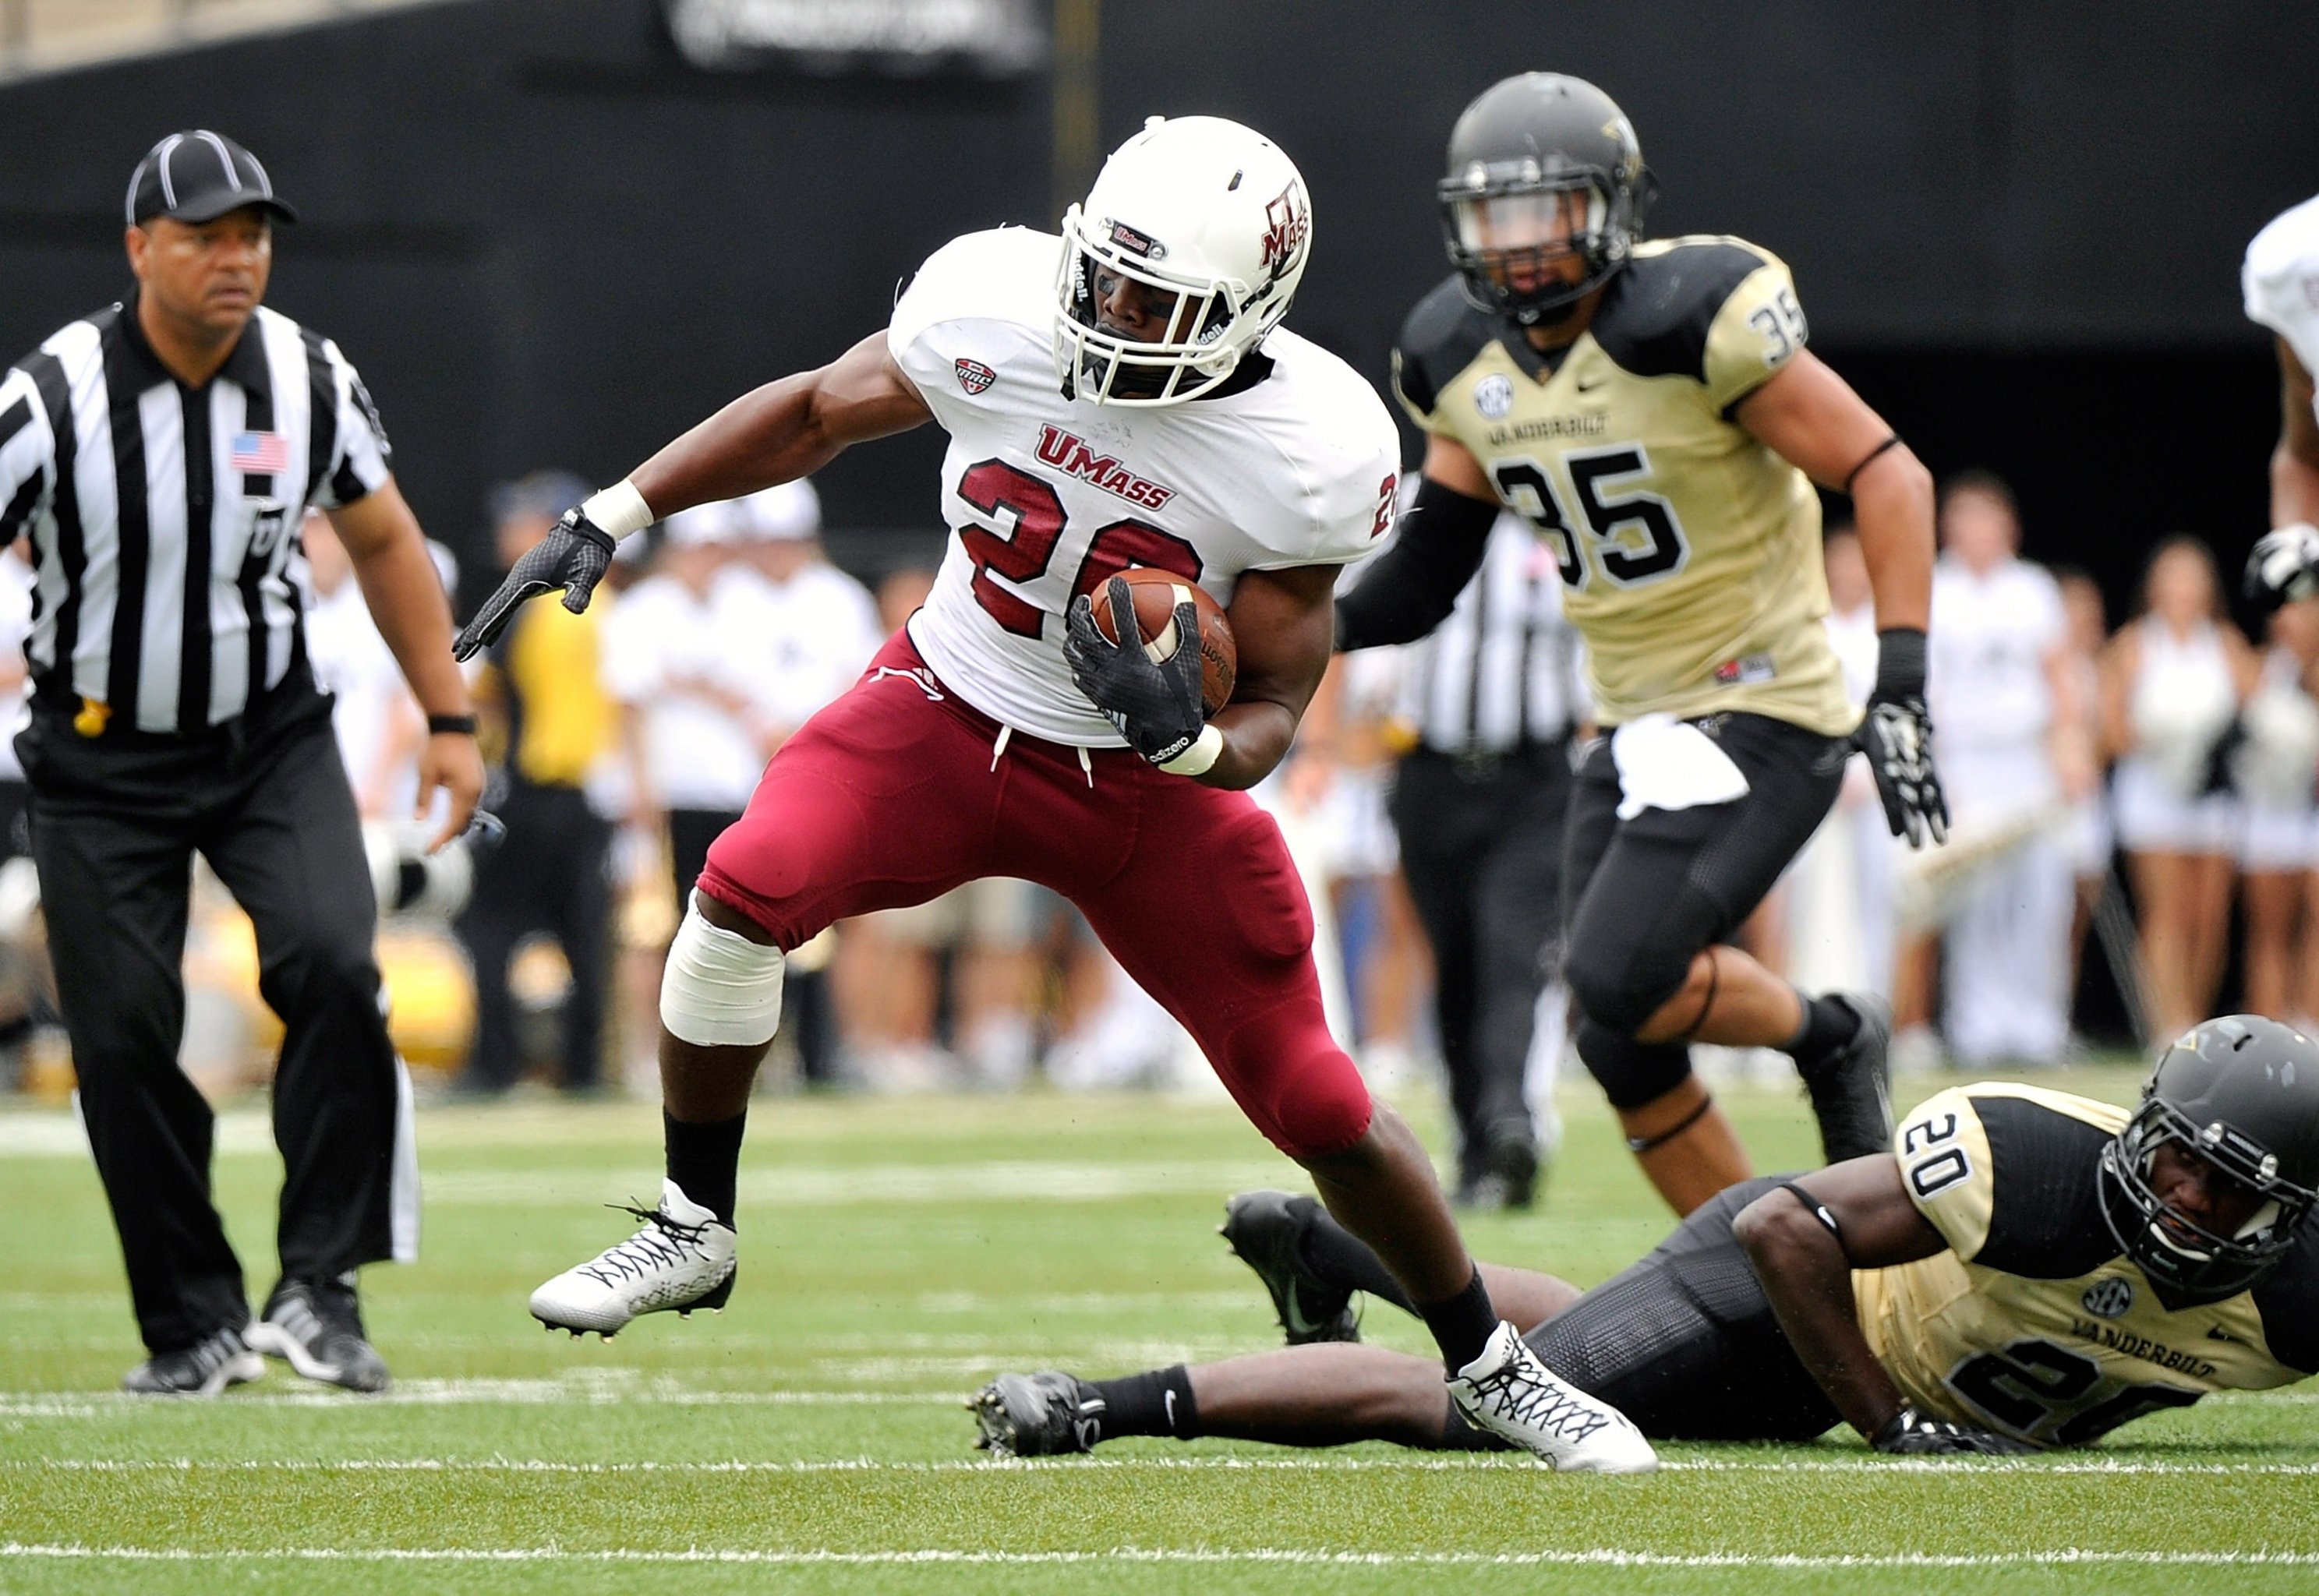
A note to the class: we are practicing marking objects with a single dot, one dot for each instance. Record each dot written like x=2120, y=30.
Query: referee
x=162, y=452
x=1478, y=802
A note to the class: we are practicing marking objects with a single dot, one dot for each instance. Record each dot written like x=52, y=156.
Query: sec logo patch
x=974, y=376
x=2106, y=1299
x=1494, y=396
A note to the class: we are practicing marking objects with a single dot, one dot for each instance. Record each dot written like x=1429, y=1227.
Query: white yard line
x=1597, y=1557
x=1414, y=1465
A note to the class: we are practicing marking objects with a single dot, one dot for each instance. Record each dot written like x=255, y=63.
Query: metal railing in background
x=39, y=36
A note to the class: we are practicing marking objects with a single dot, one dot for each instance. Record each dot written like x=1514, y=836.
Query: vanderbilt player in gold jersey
x=1652, y=411
x=2022, y=1269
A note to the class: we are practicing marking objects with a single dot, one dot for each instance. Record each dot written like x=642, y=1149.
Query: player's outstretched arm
x=774, y=434
x=2295, y=462
x=1805, y=1240
x=2285, y=563
x=1413, y=586
x=1811, y=417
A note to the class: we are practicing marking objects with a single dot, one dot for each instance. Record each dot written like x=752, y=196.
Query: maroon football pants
x=898, y=792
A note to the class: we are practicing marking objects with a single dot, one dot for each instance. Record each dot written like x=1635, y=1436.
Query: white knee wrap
x=719, y=988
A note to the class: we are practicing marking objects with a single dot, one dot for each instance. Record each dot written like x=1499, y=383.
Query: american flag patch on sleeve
x=266, y=452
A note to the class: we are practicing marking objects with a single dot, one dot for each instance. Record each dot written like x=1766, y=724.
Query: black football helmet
x=1517, y=156
x=2242, y=1093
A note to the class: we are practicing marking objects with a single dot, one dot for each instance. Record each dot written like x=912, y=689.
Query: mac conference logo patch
x=974, y=376
x=2106, y=1299
x=1494, y=396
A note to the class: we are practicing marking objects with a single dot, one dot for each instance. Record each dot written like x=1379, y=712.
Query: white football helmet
x=1214, y=222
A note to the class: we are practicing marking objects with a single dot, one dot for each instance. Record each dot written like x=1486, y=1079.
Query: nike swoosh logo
x=1584, y=385
x=1171, y=1407
x=2219, y=1334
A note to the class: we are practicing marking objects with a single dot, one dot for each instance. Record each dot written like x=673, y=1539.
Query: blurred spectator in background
x=804, y=632
x=16, y=626
x=24, y=997
x=1839, y=891
x=552, y=724
x=892, y=965
x=1388, y=967
x=675, y=659
x=1495, y=697
x=2273, y=768
x=2171, y=683
x=2090, y=840
x=379, y=725
x=2005, y=701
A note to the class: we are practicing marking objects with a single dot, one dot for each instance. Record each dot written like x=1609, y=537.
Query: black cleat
x=1851, y=1090
x=208, y=1367
x=1041, y=1415
x=315, y=1326
x=1507, y=1180
x=1263, y=1229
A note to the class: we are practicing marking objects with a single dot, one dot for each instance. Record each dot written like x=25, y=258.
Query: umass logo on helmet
x=1288, y=218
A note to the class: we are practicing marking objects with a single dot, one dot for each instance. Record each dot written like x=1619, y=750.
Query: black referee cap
x=198, y=176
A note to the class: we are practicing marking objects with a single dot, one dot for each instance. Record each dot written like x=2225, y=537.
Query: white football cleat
x=682, y=1258
x=1509, y=1391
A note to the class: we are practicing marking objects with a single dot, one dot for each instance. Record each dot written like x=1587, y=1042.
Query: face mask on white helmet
x=1186, y=253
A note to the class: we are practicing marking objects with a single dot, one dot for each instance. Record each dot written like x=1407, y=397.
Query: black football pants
x=546, y=874
x=115, y=824
x=1481, y=847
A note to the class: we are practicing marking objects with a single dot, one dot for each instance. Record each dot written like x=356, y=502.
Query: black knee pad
x=1626, y=958
x=1631, y=1073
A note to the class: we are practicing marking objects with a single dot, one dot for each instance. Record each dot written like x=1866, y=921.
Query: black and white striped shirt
x=163, y=519
x=1505, y=671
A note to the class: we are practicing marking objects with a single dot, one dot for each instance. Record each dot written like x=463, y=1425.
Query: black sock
x=1827, y=1026
x=705, y=1160
x=1335, y=1254
x=1463, y=1325
x=1156, y=1403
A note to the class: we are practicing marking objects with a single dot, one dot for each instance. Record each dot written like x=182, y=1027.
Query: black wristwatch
x=455, y=726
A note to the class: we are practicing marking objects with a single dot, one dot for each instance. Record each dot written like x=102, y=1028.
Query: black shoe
x=219, y=1360
x=1263, y=1229
x=1041, y=1415
x=1507, y=1180
x=1851, y=1089
x=316, y=1326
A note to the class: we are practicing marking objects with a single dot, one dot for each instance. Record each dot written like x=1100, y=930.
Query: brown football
x=1157, y=593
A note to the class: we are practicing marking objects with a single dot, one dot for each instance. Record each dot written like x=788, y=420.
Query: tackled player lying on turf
x=2025, y=1269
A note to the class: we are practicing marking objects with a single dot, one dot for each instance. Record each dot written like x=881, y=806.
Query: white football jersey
x=2281, y=280
x=1046, y=496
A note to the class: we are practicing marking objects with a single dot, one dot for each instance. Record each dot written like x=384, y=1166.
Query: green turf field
x=895, y=1254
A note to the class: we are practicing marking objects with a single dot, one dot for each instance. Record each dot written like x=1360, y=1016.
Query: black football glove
x=1155, y=706
x=1911, y=1434
x=2284, y=565
x=573, y=557
x=1896, y=737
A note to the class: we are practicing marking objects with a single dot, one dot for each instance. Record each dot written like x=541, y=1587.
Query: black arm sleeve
x=1410, y=588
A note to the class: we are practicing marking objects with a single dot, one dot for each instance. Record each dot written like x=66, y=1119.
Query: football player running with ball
x=2022, y=1269
x=1652, y=410
x=1121, y=396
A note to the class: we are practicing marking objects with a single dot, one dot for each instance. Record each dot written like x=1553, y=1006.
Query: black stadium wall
x=547, y=240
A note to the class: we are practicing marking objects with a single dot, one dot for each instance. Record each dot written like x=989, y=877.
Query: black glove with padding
x=573, y=557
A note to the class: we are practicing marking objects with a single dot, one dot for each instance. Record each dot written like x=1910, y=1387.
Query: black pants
x=116, y=822
x=1481, y=846
x=1685, y=1343
x=1647, y=895
x=546, y=875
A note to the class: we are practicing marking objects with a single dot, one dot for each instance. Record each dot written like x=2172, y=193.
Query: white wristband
x=620, y=510
x=1200, y=758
